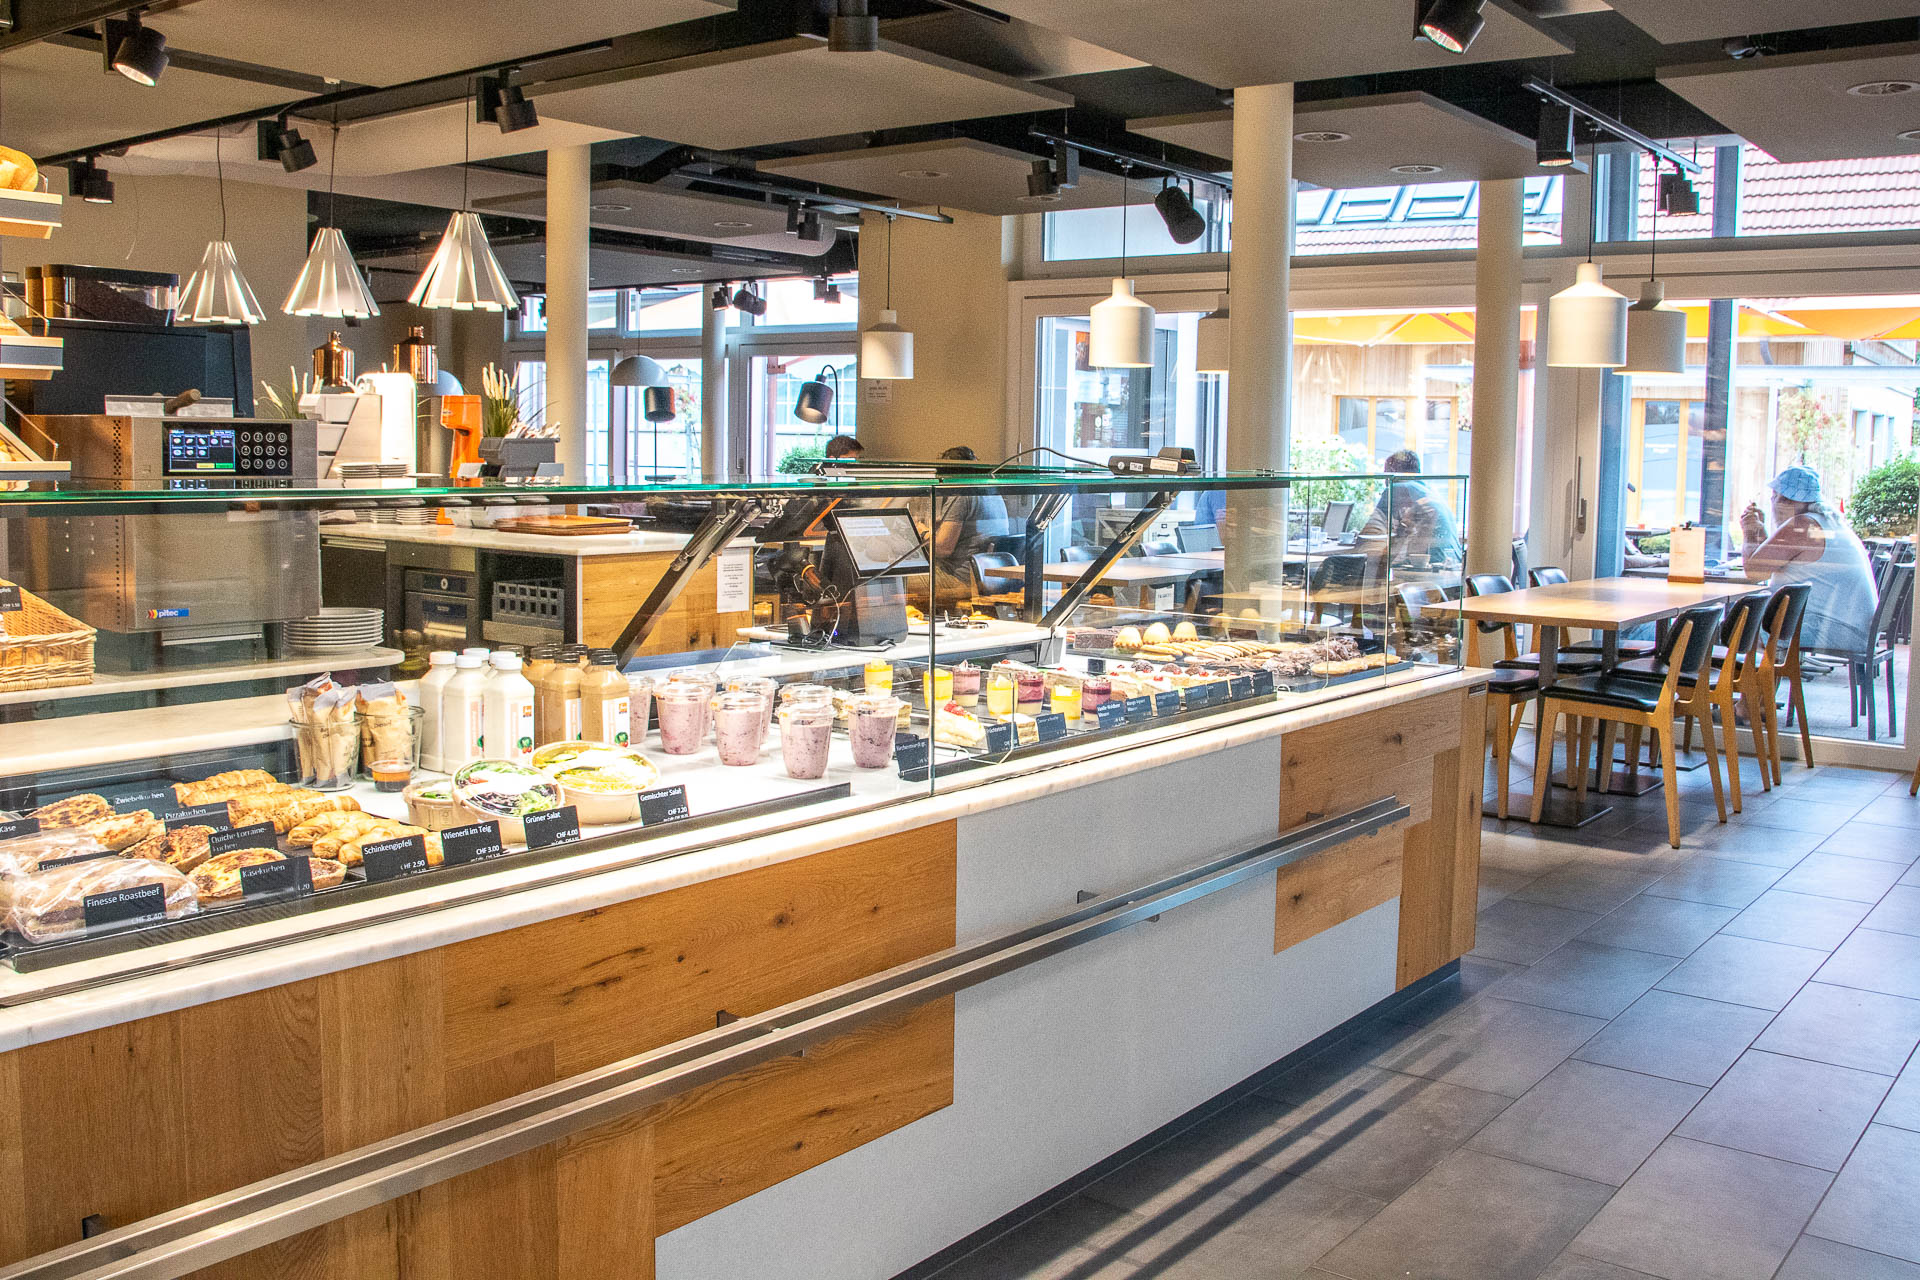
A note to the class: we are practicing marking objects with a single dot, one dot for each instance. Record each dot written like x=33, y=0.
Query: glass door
x=773, y=439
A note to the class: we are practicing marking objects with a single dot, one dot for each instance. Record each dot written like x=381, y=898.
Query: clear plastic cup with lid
x=806, y=738
x=873, y=719
x=683, y=713
x=767, y=688
x=739, y=726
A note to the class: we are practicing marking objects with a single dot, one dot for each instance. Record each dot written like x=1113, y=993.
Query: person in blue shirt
x=1422, y=529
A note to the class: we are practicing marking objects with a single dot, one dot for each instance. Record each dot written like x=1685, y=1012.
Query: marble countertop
x=456, y=535
x=59, y=1002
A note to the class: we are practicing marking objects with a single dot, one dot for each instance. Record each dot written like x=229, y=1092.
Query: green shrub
x=1655, y=545
x=1886, y=501
x=1329, y=458
x=800, y=460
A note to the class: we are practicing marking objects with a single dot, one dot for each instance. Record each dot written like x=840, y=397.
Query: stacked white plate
x=371, y=470
x=415, y=515
x=338, y=630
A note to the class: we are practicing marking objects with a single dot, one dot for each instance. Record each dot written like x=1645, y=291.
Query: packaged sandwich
x=25, y=855
x=326, y=734
x=66, y=901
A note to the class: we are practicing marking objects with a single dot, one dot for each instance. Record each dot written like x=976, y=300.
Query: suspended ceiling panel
x=619, y=205
x=1798, y=106
x=608, y=267
x=1678, y=21
x=59, y=99
x=788, y=91
x=439, y=135
x=1230, y=43
x=382, y=42
x=1382, y=141
x=1018, y=49
x=954, y=173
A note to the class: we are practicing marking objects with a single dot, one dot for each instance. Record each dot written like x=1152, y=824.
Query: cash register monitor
x=866, y=563
x=881, y=542
x=1335, y=524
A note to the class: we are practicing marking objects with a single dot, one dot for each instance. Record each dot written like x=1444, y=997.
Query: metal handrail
x=195, y=1236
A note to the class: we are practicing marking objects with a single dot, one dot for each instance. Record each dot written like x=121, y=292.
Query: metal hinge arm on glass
x=199, y=1235
x=724, y=523
x=1137, y=527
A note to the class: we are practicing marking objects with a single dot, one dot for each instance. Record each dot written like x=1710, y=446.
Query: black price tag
x=159, y=799
x=554, y=827
x=19, y=827
x=1096, y=666
x=912, y=755
x=1199, y=695
x=999, y=737
x=1112, y=714
x=258, y=835
x=10, y=601
x=392, y=859
x=1263, y=684
x=668, y=804
x=1167, y=704
x=214, y=815
x=1242, y=688
x=276, y=879
x=476, y=843
x=95, y=856
x=1050, y=727
x=1138, y=710
x=142, y=904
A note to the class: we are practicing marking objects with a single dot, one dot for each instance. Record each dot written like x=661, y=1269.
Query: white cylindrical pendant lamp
x=1656, y=333
x=1587, y=324
x=1122, y=335
x=886, y=350
x=1213, y=340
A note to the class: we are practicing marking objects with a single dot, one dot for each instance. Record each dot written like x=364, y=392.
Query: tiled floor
x=1692, y=1065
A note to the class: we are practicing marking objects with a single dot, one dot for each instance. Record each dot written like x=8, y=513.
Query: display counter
x=152, y=1061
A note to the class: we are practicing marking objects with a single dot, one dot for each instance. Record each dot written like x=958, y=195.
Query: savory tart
x=74, y=811
x=183, y=848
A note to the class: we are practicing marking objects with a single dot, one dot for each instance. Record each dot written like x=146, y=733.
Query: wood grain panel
x=506, y=1222
x=612, y=587
x=1333, y=767
x=1466, y=847
x=13, y=1162
x=743, y=1134
x=1328, y=888
x=604, y=1189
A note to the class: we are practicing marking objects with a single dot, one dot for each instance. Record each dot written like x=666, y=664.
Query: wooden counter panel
x=1321, y=891
x=612, y=587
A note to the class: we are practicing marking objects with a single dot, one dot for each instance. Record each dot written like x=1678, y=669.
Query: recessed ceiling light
x=928, y=174
x=726, y=224
x=1323, y=135
x=1415, y=169
x=1048, y=197
x=683, y=271
x=1911, y=135
x=1883, y=88
x=612, y=208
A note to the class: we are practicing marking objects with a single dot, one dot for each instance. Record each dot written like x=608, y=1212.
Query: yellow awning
x=1856, y=324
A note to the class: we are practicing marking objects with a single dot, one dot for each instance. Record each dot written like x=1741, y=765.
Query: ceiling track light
x=1553, y=145
x=87, y=180
x=1185, y=224
x=498, y=101
x=1453, y=25
x=803, y=222
x=275, y=141
x=1042, y=182
x=721, y=298
x=135, y=51
x=852, y=29
x=747, y=301
x=1678, y=195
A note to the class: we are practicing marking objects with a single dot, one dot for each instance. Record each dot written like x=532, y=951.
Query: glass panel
x=793, y=302
x=603, y=309
x=666, y=451
x=599, y=420
x=1389, y=428
x=667, y=310
x=1078, y=234
x=1660, y=483
x=1093, y=414
x=782, y=444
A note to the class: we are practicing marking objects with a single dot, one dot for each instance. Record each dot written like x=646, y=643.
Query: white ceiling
x=1382, y=131
x=787, y=90
x=382, y=42
x=954, y=173
x=1796, y=107
x=1231, y=43
x=392, y=275
x=60, y=98
x=1678, y=21
x=619, y=205
x=439, y=135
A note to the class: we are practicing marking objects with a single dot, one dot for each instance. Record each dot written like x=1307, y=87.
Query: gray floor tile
x=1664, y=926
x=1520, y=851
x=1571, y=1266
x=1701, y=1212
x=1872, y=1203
x=1817, y=1259
x=1870, y=840
x=1590, y=1121
x=1061, y=1244
x=1443, y=1222
x=1744, y=971
x=1719, y=881
x=1876, y=961
x=1209, y=1159
x=1582, y=977
x=1830, y=875
x=1895, y=809
x=1798, y=919
x=1265, y=1224
x=1494, y=1045
x=1898, y=912
x=1679, y=1037
x=1586, y=888
x=1521, y=932
x=1379, y=1138
x=1792, y=813
x=1847, y=1027
x=1477, y=973
x=1789, y=1108
x=1498, y=882
x=1902, y=1107
x=1768, y=846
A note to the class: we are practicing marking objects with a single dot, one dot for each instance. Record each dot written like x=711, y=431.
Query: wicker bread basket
x=41, y=647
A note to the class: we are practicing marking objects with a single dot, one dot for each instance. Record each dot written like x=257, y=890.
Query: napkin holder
x=1687, y=554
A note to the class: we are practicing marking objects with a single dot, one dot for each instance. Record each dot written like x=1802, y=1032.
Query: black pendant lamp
x=816, y=397
x=657, y=404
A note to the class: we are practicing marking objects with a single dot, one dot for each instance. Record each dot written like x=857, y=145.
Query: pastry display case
x=792, y=651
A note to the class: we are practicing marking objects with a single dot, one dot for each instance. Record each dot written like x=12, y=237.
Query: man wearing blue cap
x=1812, y=544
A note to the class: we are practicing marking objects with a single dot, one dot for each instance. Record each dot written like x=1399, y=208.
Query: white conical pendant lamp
x=1587, y=322
x=464, y=275
x=1656, y=333
x=1213, y=339
x=330, y=284
x=217, y=292
x=1122, y=336
x=886, y=349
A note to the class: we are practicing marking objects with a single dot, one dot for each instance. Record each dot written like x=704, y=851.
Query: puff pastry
x=350, y=821
x=124, y=830
x=224, y=786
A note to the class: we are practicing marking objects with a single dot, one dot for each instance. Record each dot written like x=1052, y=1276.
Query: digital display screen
x=192, y=450
x=882, y=542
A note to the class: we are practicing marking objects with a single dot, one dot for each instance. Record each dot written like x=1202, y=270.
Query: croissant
x=322, y=824
x=351, y=851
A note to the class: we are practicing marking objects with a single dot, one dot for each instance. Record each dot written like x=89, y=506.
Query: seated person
x=1421, y=529
x=967, y=525
x=844, y=448
x=1811, y=543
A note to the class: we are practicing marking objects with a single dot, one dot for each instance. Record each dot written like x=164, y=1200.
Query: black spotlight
x=1677, y=194
x=657, y=404
x=834, y=295
x=745, y=299
x=803, y=222
x=139, y=53
x=1553, y=145
x=277, y=142
x=1041, y=182
x=816, y=397
x=498, y=101
x=1184, y=222
x=90, y=182
x=1452, y=24
x=852, y=29
x=721, y=298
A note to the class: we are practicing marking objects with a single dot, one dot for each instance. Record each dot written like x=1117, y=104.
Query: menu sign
x=274, y=879
x=258, y=835
x=392, y=859
x=999, y=737
x=668, y=804
x=1139, y=710
x=142, y=904
x=1050, y=727
x=476, y=843
x=10, y=601
x=555, y=826
x=214, y=815
x=19, y=827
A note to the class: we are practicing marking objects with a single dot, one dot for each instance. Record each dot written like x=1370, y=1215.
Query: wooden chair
x=1493, y=584
x=1637, y=702
x=1777, y=658
x=1509, y=690
x=1699, y=700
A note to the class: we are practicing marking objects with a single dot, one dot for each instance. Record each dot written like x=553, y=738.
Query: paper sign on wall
x=735, y=574
x=879, y=391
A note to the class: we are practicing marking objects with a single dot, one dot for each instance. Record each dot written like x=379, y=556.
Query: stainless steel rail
x=199, y=1235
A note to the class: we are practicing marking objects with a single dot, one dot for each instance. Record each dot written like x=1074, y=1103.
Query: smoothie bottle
x=1000, y=690
x=872, y=721
x=439, y=671
x=806, y=734
x=681, y=707
x=966, y=685
x=605, y=709
x=738, y=727
x=507, y=714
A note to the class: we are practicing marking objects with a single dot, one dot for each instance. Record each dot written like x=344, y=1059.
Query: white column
x=1260, y=394
x=714, y=449
x=1496, y=379
x=569, y=187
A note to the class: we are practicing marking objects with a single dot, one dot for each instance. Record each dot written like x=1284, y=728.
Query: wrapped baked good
x=24, y=855
x=53, y=904
x=74, y=811
x=124, y=830
x=386, y=727
x=182, y=848
x=326, y=734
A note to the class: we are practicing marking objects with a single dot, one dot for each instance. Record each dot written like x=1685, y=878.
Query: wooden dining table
x=1605, y=606
x=1141, y=573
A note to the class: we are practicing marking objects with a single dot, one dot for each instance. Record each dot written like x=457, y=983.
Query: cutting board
x=563, y=526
